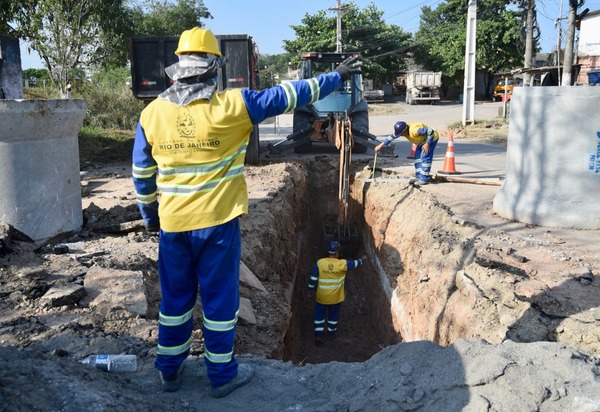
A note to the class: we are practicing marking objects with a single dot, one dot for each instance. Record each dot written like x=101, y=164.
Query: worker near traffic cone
x=425, y=138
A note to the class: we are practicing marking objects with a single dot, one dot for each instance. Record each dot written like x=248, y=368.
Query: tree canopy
x=72, y=34
x=383, y=46
x=441, y=38
x=69, y=33
x=167, y=18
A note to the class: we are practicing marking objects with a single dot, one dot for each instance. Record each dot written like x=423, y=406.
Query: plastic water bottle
x=112, y=363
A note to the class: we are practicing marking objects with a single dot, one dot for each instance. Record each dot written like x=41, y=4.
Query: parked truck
x=423, y=87
x=151, y=55
x=370, y=94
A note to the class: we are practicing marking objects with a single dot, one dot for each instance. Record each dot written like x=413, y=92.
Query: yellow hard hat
x=198, y=40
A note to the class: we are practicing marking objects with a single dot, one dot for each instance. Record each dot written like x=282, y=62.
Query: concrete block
x=553, y=158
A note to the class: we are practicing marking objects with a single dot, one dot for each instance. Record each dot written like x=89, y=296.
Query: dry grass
x=387, y=108
x=489, y=131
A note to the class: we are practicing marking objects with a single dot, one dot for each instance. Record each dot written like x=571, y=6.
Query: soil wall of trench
x=431, y=276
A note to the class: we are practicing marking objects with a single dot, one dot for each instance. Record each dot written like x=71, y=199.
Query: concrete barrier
x=553, y=158
x=39, y=163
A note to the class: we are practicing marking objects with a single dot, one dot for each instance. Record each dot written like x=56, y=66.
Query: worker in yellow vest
x=424, y=138
x=188, y=172
x=329, y=276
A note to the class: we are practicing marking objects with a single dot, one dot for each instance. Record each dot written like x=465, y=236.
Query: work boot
x=245, y=373
x=171, y=383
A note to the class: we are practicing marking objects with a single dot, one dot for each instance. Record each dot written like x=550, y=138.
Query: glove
x=352, y=65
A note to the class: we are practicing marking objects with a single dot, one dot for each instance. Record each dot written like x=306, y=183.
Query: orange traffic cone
x=412, y=153
x=449, y=167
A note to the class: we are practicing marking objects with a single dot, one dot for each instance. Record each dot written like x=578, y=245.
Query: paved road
x=472, y=159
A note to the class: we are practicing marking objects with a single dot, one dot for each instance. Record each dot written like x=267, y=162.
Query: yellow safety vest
x=200, y=151
x=332, y=275
x=414, y=137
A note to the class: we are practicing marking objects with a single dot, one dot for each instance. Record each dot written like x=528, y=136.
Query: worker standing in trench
x=329, y=276
x=190, y=147
x=425, y=138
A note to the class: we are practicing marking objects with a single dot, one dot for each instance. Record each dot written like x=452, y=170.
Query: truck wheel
x=302, y=120
x=303, y=148
x=253, y=150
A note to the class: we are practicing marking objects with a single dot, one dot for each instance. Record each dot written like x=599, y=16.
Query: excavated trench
x=365, y=325
x=430, y=275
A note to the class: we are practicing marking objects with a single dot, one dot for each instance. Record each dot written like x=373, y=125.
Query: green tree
x=69, y=34
x=441, y=39
x=383, y=46
x=273, y=69
x=167, y=18
x=36, y=77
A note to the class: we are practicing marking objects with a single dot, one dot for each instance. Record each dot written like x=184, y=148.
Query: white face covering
x=195, y=78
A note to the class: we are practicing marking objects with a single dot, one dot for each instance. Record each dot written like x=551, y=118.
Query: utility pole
x=569, y=44
x=559, y=40
x=528, y=39
x=470, y=49
x=338, y=32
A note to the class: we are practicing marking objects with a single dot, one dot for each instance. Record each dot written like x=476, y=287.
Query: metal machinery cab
x=349, y=101
x=315, y=122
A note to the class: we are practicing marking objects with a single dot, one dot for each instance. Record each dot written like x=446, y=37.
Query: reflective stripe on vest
x=174, y=350
x=175, y=320
x=331, y=283
x=219, y=326
x=218, y=357
x=182, y=189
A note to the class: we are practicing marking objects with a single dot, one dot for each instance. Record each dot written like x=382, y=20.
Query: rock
x=247, y=311
x=61, y=295
x=32, y=274
x=116, y=287
x=247, y=277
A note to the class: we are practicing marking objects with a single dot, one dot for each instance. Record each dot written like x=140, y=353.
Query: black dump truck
x=151, y=55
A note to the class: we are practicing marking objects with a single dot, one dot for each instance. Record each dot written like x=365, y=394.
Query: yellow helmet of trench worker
x=198, y=40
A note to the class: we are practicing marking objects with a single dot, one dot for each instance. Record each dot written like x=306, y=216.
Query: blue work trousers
x=210, y=258
x=329, y=314
x=423, y=162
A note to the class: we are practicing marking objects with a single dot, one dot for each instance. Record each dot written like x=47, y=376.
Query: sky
x=269, y=21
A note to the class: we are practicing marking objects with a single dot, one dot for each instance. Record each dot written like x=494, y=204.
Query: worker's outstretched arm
x=353, y=264
x=287, y=96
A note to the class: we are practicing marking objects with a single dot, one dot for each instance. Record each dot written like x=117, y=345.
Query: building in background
x=588, y=49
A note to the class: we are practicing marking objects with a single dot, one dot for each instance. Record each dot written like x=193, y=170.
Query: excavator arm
x=339, y=134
